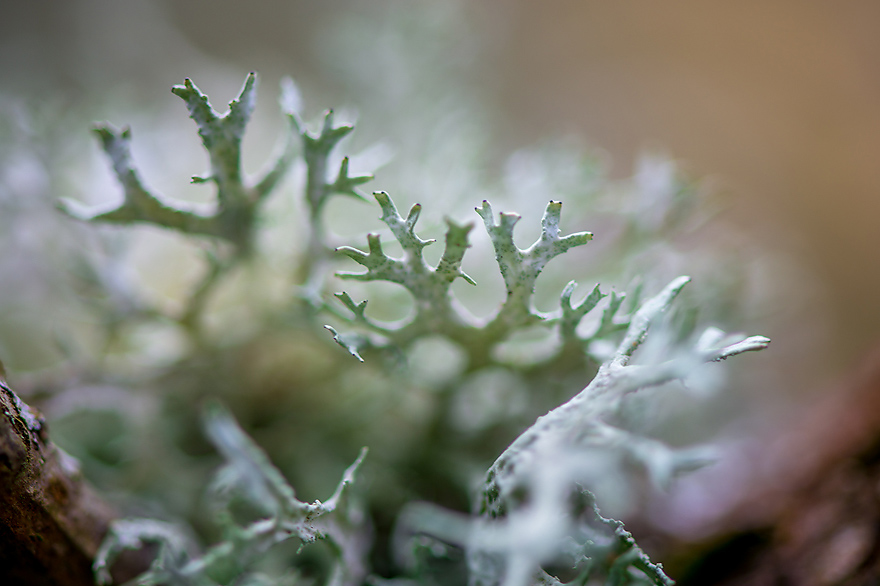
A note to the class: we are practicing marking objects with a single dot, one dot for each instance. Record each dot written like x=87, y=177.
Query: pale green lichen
x=237, y=198
x=317, y=149
x=436, y=311
x=248, y=474
x=534, y=507
x=582, y=421
x=525, y=512
x=524, y=506
x=520, y=268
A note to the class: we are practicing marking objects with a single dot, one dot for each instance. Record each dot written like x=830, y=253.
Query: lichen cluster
x=533, y=509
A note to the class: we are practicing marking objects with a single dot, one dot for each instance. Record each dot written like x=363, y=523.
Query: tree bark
x=51, y=520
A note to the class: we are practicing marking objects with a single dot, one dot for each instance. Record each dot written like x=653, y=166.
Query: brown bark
x=51, y=521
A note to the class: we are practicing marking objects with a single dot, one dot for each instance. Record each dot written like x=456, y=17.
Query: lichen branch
x=558, y=440
x=248, y=473
x=238, y=199
x=436, y=312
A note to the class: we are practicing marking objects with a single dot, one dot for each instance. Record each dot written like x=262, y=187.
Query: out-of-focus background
x=776, y=102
